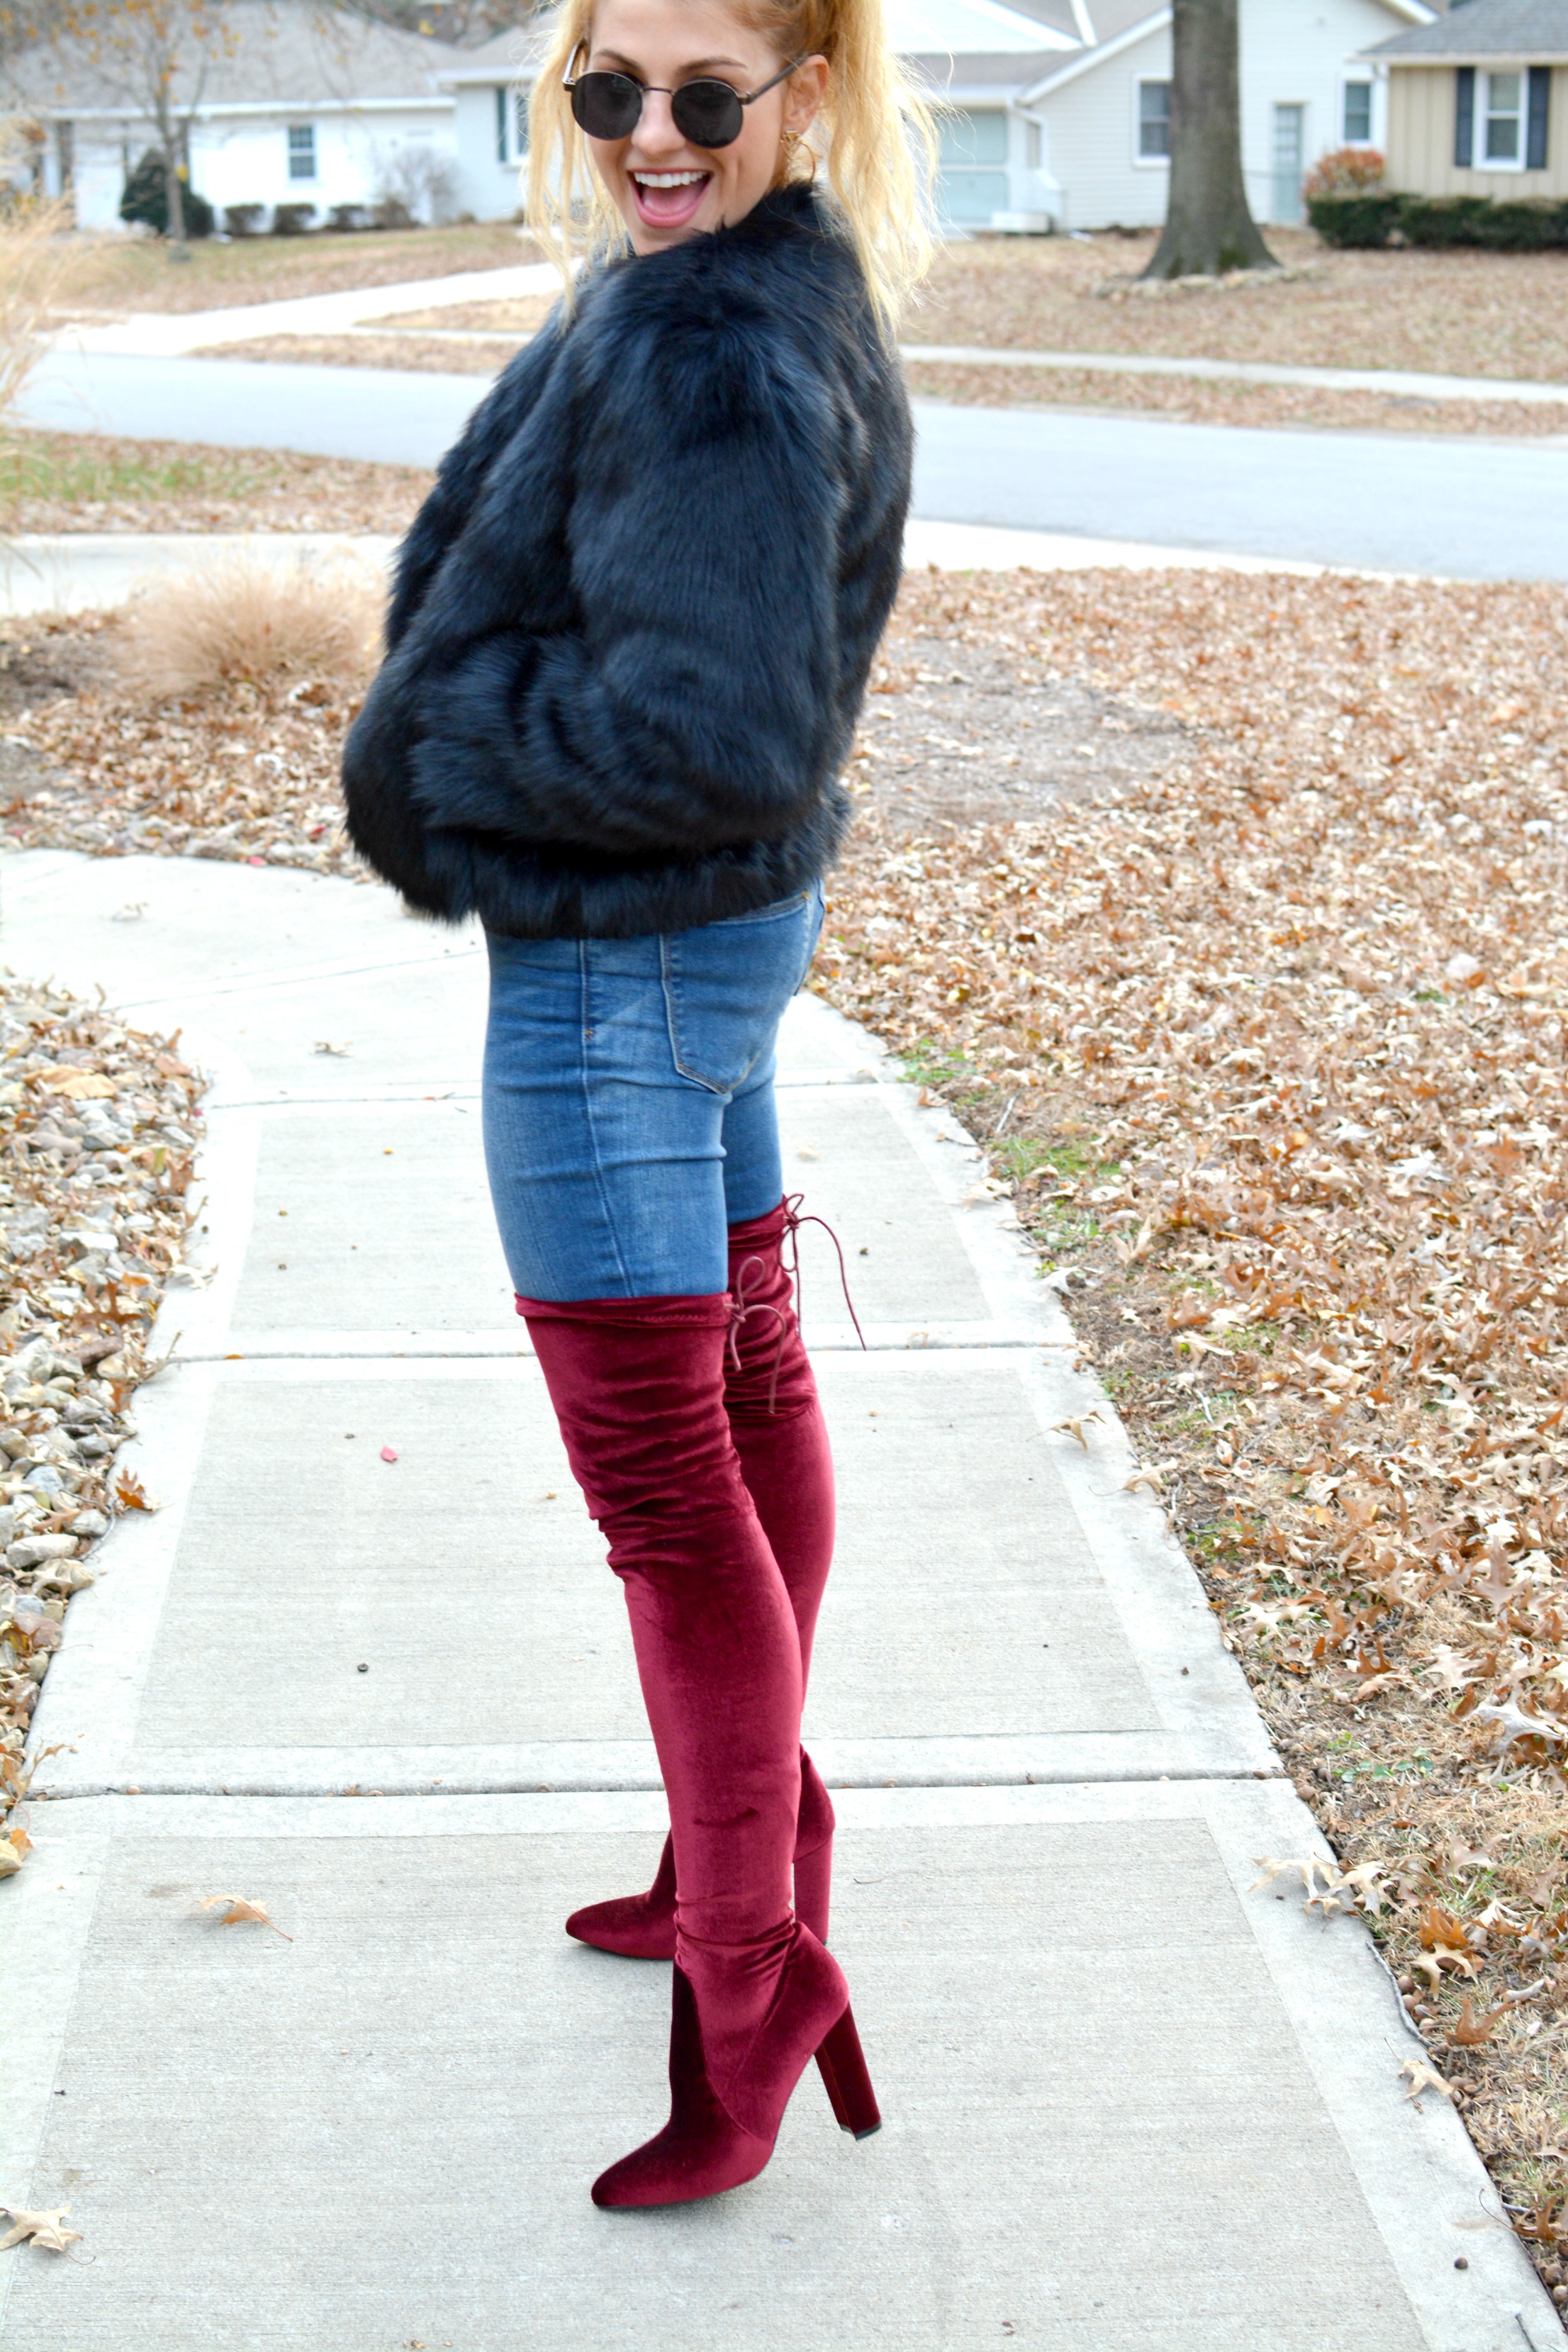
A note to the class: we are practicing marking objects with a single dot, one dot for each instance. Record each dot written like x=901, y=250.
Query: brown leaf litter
x=1249, y=972
x=1270, y=1045
x=75, y=482
x=248, y=770
x=98, y=1134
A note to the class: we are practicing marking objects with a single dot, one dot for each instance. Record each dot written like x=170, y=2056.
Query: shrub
x=145, y=198
x=248, y=624
x=1344, y=171
x=292, y=220
x=1517, y=225
x=391, y=212
x=243, y=220
x=1355, y=220
x=1526, y=225
x=421, y=179
x=347, y=217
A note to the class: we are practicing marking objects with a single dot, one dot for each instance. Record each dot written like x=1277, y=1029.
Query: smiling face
x=664, y=189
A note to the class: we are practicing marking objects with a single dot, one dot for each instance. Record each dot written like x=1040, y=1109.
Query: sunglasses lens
x=709, y=113
x=606, y=105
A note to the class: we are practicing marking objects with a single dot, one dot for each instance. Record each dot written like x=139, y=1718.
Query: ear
x=803, y=93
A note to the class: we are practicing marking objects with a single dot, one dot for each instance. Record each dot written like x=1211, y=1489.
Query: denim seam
x=584, y=1012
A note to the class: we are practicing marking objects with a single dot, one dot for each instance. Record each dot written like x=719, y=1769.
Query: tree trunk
x=1209, y=227
x=174, y=191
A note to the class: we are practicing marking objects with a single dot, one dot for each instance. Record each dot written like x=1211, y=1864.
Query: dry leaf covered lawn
x=86, y=482
x=1226, y=909
x=1503, y=314
x=245, y=771
x=122, y=273
x=97, y=1138
x=1271, y=1045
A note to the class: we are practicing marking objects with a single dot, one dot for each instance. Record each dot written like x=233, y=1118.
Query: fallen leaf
x=130, y=1493
x=77, y=1084
x=1471, y=2029
x=388, y=1453
x=239, y=1910
x=45, y=2230
x=10, y=1856
x=1075, y=1426
x=1425, y=2078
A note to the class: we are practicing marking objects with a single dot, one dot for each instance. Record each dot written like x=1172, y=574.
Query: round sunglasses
x=707, y=113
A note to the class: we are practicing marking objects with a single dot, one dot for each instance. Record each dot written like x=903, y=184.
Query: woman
x=629, y=638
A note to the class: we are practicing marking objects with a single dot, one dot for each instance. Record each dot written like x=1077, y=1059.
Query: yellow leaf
x=80, y=1086
x=45, y=2230
x=239, y=1910
x=1075, y=1426
x=1425, y=2078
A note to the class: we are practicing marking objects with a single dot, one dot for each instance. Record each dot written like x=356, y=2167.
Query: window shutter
x=1464, y=116
x=1539, y=119
x=500, y=126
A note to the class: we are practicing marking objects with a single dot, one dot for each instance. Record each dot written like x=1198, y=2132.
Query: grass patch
x=52, y=482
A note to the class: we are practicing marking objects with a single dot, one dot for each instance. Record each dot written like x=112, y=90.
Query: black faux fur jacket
x=633, y=622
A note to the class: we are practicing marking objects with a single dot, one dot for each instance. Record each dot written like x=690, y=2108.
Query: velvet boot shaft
x=639, y=1390
x=781, y=1440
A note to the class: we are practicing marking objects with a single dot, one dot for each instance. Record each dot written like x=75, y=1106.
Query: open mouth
x=670, y=199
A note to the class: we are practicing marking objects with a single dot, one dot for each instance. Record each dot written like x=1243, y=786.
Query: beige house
x=1477, y=102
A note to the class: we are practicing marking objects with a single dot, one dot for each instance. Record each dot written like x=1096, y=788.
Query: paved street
x=1135, y=2101
x=1471, y=508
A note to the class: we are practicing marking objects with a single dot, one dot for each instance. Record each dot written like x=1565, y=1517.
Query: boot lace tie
x=753, y=1270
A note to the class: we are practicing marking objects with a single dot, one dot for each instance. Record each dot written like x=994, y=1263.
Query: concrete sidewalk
x=1133, y=2103
x=87, y=572
x=164, y=334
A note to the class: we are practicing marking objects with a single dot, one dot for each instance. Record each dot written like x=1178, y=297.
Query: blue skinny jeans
x=629, y=1101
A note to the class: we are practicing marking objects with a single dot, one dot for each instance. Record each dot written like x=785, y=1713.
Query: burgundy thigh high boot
x=780, y=1438
x=639, y=1390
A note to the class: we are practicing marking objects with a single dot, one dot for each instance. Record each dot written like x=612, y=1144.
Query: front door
x=1290, y=154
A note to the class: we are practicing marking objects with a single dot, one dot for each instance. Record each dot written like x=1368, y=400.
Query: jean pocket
x=726, y=986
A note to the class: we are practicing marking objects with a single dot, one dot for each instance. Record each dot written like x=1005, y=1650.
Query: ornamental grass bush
x=246, y=625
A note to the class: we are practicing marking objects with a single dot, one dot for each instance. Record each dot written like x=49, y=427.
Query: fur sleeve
x=692, y=705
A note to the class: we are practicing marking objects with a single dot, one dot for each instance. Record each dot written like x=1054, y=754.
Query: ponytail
x=874, y=133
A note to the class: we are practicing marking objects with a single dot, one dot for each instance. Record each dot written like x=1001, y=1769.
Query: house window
x=511, y=125
x=1153, y=120
x=302, y=150
x=1502, y=138
x=1357, y=114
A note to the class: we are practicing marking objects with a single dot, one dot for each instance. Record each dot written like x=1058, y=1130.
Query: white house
x=288, y=103
x=1059, y=110
x=490, y=87
x=1104, y=120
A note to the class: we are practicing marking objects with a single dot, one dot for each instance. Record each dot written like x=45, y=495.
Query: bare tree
x=461, y=21
x=1209, y=226
x=155, y=55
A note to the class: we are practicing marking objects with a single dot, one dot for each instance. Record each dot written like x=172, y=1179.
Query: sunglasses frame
x=710, y=147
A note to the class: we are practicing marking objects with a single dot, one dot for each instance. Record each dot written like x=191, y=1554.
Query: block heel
x=842, y=2066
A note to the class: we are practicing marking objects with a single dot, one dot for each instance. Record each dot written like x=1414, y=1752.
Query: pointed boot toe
x=635, y=1927
x=701, y=2152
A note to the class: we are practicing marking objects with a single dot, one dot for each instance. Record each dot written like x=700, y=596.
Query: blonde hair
x=875, y=131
